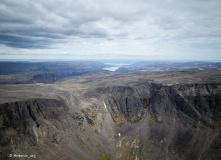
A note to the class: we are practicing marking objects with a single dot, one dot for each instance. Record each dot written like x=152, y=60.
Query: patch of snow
x=119, y=134
x=105, y=105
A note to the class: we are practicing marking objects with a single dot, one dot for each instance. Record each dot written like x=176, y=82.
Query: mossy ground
x=152, y=120
x=128, y=149
x=118, y=119
x=104, y=156
x=82, y=144
x=96, y=130
x=138, y=116
x=93, y=115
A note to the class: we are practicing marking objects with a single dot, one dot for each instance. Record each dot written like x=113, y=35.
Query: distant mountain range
x=62, y=69
x=49, y=72
x=46, y=72
x=170, y=66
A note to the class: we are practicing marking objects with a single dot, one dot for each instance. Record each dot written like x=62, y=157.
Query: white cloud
x=64, y=53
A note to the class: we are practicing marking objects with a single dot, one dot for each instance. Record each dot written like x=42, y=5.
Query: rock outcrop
x=174, y=122
x=147, y=115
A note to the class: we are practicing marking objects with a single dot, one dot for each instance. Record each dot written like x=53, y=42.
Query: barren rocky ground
x=170, y=115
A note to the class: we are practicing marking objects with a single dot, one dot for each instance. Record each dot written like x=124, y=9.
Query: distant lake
x=111, y=68
x=116, y=66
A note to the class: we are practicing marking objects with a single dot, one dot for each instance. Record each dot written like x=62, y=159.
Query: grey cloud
x=23, y=42
x=43, y=24
x=39, y=25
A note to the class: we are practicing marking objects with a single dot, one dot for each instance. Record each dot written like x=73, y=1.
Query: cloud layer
x=123, y=27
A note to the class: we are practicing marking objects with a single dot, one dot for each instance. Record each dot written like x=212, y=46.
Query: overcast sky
x=105, y=29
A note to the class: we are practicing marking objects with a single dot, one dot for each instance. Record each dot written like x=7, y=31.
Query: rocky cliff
x=174, y=122
x=143, y=115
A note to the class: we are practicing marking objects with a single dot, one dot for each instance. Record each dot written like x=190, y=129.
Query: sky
x=104, y=29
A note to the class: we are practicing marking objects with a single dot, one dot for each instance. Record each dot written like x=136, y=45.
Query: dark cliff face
x=178, y=121
x=20, y=121
x=142, y=120
x=44, y=78
x=129, y=102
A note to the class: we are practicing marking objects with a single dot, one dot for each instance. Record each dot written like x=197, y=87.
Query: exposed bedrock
x=140, y=121
x=176, y=122
x=28, y=127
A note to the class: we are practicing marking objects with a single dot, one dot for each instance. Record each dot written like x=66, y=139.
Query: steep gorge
x=128, y=120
